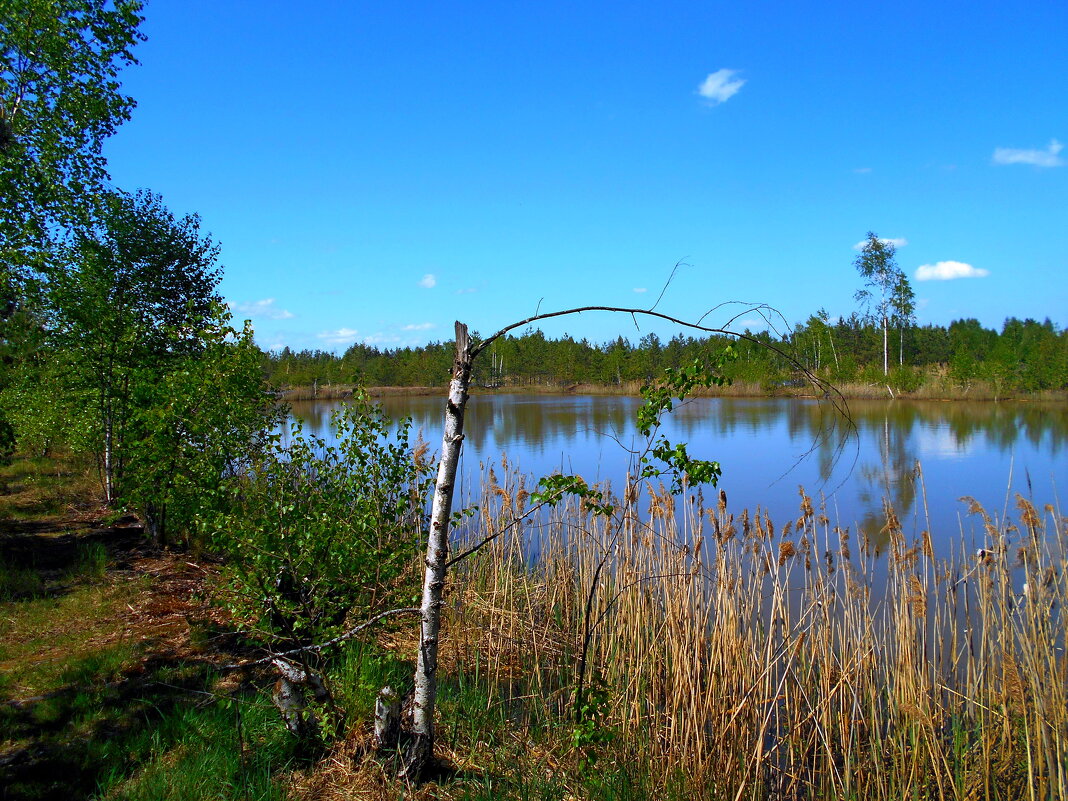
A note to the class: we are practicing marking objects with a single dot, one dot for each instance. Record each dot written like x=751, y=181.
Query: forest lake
x=925, y=458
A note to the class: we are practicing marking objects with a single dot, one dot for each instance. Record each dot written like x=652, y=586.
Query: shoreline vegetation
x=978, y=391
x=1025, y=360
x=698, y=651
x=732, y=656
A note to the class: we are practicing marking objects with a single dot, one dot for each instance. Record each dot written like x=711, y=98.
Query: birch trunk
x=886, y=361
x=109, y=459
x=421, y=746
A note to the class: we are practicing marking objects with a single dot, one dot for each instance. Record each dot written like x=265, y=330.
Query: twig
x=492, y=537
x=348, y=635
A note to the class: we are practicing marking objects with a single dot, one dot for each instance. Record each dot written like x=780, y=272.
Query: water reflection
x=769, y=446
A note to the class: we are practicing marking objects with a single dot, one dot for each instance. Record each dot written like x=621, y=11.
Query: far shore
x=740, y=389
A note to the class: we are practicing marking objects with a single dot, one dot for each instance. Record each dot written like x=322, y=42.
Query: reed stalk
x=763, y=660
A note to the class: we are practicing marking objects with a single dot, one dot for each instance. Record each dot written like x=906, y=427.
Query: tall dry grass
x=758, y=659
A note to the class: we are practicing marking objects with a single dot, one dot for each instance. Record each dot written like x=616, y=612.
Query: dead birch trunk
x=421, y=745
x=289, y=698
x=387, y=719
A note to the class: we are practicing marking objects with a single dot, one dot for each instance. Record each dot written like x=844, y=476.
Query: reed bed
x=741, y=658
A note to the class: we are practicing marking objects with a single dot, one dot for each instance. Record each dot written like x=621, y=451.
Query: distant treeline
x=1025, y=356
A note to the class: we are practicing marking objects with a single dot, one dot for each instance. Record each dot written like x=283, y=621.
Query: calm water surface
x=769, y=447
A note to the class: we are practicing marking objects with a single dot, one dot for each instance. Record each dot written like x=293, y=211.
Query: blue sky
x=374, y=171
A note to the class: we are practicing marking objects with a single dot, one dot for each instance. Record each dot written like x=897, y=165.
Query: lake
x=768, y=447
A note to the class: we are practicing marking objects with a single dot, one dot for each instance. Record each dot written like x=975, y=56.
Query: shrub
x=906, y=379
x=313, y=533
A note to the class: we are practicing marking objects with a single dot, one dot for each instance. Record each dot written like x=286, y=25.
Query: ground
x=107, y=643
x=114, y=677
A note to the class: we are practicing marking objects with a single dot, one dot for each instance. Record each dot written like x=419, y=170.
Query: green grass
x=19, y=582
x=212, y=750
x=360, y=671
x=32, y=488
x=94, y=700
x=97, y=712
x=90, y=561
x=104, y=722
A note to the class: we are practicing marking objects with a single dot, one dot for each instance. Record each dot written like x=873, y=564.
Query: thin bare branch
x=492, y=537
x=348, y=635
x=667, y=283
x=823, y=389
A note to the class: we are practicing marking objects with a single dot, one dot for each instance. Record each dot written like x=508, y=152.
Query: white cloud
x=640, y=289
x=467, y=291
x=381, y=339
x=428, y=281
x=342, y=336
x=720, y=86
x=417, y=327
x=275, y=343
x=1050, y=157
x=943, y=443
x=262, y=308
x=862, y=170
x=948, y=271
x=896, y=241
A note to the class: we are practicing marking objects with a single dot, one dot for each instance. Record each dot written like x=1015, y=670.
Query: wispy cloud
x=428, y=281
x=896, y=241
x=381, y=339
x=342, y=336
x=262, y=308
x=720, y=86
x=862, y=170
x=949, y=271
x=402, y=335
x=640, y=289
x=275, y=343
x=466, y=291
x=1050, y=157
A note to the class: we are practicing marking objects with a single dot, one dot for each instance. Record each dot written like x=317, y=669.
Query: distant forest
x=1025, y=356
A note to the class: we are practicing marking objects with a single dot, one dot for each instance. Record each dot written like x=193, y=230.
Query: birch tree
x=420, y=745
x=903, y=308
x=133, y=297
x=60, y=99
x=880, y=272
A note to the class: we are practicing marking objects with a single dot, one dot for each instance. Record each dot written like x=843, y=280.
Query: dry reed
x=761, y=664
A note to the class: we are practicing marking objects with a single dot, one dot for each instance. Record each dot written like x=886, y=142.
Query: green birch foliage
x=316, y=533
x=60, y=99
x=135, y=300
x=659, y=398
x=660, y=458
x=194, y=425
x=139, y=366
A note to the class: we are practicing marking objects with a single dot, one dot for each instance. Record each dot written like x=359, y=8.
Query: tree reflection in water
x=769, y=446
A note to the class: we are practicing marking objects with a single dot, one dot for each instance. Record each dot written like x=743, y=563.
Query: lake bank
x=609, y=658
x=739, y=389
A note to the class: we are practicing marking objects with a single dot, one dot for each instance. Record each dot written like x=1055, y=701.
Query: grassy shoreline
x=941, y=391
x=722, y=655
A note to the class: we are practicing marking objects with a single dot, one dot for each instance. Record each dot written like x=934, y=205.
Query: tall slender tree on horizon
x=878, y=268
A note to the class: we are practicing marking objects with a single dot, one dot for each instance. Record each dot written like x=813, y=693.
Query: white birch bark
x=886, y=363
x=387, y=718
x=421, y=746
